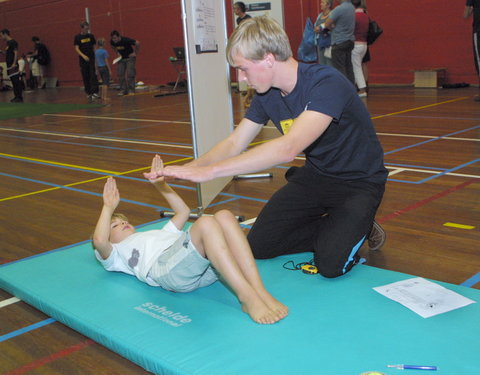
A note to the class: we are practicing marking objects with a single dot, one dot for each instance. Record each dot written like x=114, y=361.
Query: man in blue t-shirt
x=327, y=206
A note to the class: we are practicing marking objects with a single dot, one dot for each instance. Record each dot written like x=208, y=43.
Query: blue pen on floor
x=413, y=367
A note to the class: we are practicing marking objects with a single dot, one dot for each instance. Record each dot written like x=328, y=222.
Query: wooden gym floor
x=53, y=168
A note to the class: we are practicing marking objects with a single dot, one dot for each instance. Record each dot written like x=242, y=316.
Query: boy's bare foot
x=259, y=311
x=275, y=305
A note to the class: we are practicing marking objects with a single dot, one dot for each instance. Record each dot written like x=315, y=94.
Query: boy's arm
x=176, y=203
x=101, y=236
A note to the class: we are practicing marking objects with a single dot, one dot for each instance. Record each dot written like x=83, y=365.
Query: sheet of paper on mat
x=423, y=297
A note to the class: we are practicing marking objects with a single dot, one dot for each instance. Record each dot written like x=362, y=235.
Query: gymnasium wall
x=417, y=34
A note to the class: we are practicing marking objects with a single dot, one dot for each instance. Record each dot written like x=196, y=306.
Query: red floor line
x=425, y=201
x=53, y=357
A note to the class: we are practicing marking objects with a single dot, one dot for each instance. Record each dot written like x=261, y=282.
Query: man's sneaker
x=95, y=96
x=377, y=237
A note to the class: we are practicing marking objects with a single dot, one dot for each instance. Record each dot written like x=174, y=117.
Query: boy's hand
x=111, y=195
x=156, y=171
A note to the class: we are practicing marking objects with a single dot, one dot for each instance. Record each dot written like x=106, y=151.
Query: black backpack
x=43, y=56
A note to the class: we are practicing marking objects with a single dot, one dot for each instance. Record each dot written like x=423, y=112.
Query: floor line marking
x=117, y=118
x=459, y=226
x=425, y=201
x=57, y=163
x=29, y=328
x=422, y=107
x=472, y=281
x=9, y=301
x=97, y=138
x=50, y=358
x=87, y=181
x=440, y=137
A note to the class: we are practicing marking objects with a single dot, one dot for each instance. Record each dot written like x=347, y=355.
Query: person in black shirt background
x=11, y=59
x=84, y=45
x=127, y=49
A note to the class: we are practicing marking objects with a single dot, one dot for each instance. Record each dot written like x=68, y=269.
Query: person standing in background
x=342, y=23
x=360, y=47
x=473, y=7
x=323, y=38
x=124, y=47
x=84, y=44
x=11, y=58
x=103, y=67
x=40, y=58
x=240, y=10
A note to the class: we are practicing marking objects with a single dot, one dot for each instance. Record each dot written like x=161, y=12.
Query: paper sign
x=423, y=297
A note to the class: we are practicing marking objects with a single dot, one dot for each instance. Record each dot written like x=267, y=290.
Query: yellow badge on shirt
x=286, y=125
x=86, y=40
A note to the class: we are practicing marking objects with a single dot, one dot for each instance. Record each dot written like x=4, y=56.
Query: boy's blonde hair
x=115, y=215
x=118, y=215
x=257, y=36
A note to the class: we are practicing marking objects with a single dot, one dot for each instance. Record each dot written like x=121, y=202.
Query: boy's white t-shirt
x=137, y=253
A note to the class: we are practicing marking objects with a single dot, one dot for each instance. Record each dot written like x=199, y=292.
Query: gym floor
x=53, y=167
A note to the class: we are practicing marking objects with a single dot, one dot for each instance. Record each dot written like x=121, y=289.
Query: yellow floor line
x=56, y=163
x=86, y=181
x=459, y=226
x=417, y=108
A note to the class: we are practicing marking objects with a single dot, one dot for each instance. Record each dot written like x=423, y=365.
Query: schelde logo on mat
x=163, y=313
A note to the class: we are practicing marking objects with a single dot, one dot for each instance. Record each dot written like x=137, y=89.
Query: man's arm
x=305, y=130
x=176, y=203
x=80, y=53
x=137, y=47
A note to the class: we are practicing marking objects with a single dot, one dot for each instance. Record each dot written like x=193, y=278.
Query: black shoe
x=16, y=100
x=377, y=237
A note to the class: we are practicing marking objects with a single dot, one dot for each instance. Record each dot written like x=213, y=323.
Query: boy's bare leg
x=208, y=238
x=238, y=244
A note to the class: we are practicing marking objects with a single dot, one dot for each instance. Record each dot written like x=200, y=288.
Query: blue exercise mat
x=336, y=326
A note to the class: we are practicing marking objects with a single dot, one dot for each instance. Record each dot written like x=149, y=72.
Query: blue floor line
x=431, y=140
x=448, y=171
x=32, y=327
x=475, y=279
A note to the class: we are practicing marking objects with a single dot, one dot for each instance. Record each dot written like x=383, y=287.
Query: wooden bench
x=429, y=77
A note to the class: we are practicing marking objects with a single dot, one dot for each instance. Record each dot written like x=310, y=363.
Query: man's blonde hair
x=257, y=36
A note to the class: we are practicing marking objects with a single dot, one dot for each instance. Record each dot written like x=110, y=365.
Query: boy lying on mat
x=180, y=261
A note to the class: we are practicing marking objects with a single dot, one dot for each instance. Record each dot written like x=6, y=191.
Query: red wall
x=417, y=34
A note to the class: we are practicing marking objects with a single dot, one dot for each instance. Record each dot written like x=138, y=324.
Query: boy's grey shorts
x=182, y=269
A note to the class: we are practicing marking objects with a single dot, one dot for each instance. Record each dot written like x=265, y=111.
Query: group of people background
x=93, y=61
x=17, y=66
x=94, y=58
x=341, y=38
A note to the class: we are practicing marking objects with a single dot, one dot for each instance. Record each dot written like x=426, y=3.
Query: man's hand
x=111, y=195
x=190, y=173
x=156, y=171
